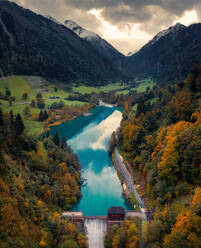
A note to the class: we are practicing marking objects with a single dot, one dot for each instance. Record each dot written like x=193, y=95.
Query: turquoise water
x=89, y=137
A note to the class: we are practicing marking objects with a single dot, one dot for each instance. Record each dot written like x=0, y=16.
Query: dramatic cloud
x=130, y=23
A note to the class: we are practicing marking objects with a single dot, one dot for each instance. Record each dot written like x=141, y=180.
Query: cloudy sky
x=126, y=24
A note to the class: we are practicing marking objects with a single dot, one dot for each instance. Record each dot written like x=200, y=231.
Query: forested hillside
x=162, y=143
x=38, y=179
x=169, y=56
x=31, y=44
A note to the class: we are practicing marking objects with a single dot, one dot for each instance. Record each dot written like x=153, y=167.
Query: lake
x=89, y=138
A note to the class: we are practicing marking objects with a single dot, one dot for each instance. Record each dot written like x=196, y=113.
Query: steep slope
x=170, y=55
x=38, y=180
x=162, y=144
x=34, y=45
x=101, y=46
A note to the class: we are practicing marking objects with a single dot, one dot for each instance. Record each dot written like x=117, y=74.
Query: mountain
x=171, y=30
x=100, y=45
x=31, y=44
x=169, y=55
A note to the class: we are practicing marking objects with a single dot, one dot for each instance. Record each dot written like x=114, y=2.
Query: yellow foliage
x=56, y=218
x=132, y=230
x=71, y=228
x=7, y=217
x=82, y=241
x=40, y=203
x=40, y=153
x=170, y=156
x=19, y=183
x=183, y=223
x=116, y=241
x=196, y=201
x=3, y=187
x=196, y=117
x=133, y=242
x=44, y=236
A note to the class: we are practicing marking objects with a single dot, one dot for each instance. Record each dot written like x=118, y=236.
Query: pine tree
x=1, y=117
x=56, y=139
x=63, y=143
x=8, y=92
x=48, y=134
x=11, y=117
x=45, y=115
x=19, y=125
x=41, y=116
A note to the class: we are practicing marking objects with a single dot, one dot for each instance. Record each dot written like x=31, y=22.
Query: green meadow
x=107, y=88
x=142, y=87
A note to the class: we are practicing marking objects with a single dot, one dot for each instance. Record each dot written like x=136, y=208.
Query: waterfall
x=96, y=230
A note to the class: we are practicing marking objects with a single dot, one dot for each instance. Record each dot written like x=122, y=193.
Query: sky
x=126, y=24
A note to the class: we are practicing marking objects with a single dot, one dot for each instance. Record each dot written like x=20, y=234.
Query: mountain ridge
x=169, y=55
x=171, y=30
x=173, y=45
x=34, y=45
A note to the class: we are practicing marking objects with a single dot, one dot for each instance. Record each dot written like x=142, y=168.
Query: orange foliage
x=196, y=201
x=71, y=228
x=170, y=157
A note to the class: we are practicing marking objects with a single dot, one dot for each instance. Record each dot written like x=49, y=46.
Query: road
x=128, y=179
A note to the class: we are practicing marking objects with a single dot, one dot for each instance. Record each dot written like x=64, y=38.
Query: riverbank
x=127, y=181
x=86, y=112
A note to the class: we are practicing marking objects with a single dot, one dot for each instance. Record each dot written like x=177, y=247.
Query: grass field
x=144, y=84
x=123, y=92
x=33, y=127
x=31, y=85
x=107, y=88
x=142, y=87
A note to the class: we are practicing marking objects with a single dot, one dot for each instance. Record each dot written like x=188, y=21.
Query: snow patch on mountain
x=171, y=30
x=81, y=32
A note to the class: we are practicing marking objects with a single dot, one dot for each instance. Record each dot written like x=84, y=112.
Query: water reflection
x=103, y=188
x=96, y=136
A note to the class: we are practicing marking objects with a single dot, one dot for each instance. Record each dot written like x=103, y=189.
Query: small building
x=116, y=213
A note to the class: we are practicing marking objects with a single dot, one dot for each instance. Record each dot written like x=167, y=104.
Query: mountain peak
x=178, y=24
x=171, y=30
x=81, y=32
